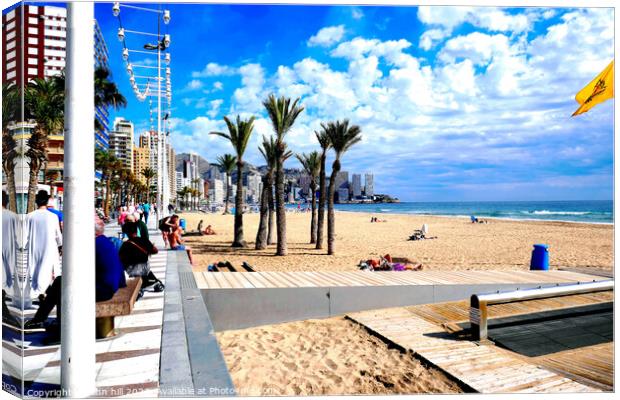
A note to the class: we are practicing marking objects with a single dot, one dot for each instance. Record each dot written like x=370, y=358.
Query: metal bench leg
x=104, y=327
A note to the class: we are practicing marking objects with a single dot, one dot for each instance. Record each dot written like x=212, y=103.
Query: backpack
x=162, y=226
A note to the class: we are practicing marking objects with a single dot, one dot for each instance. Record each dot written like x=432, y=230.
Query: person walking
x=146, y=210
x=44, y=241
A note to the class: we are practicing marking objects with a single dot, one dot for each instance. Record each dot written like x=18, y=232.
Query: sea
x=590, y=211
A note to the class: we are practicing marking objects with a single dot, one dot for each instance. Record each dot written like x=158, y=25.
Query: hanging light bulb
x=166, y=16
x=167, y=58
x=116, y=8
x=129, y=68
x=132, y=80
x=166, y=40
x=168, y=72
x=125, y=54
x=121, y=34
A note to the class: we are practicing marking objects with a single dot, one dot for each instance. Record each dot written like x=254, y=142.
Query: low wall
x=244, y=308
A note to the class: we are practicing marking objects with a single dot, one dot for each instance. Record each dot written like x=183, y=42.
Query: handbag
x=139, y=269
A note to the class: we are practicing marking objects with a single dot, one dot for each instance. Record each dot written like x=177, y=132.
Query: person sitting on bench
x=137, y=250
x=109, y=277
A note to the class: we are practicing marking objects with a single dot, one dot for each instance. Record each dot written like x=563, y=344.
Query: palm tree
x=312, y=164
x=227, y=162
x=148, y=173
x=238, y=135
x=195, y=193
x=342, y=137
x=45, y=102
x=323, y=139
x=11, y=110
x=282, y=115
x=266, y=208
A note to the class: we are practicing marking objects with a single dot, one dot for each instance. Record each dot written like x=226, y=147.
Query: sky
x=454, y=103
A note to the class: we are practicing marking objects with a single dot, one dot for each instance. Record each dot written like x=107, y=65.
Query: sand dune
x=460, y=245
x=323, y=357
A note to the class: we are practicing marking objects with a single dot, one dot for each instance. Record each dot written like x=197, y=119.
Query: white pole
x=77, y=350
x=160, y=158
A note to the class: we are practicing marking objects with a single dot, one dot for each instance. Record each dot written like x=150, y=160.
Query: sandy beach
x=459, y=244
x=323, y=357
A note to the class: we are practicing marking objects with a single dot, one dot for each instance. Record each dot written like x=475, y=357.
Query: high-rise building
x=121, y=142
x=40, y=32
x=369, y=187
x=254, y=185
x=342, y=180
x=149, y=139
x=343, y=195
x=102, y=129
x=172, y=161
x=356, y=185
x=216, y=191
x=304, y=183
x=141, y=160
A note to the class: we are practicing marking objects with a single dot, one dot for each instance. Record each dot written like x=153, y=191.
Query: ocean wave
x=547, y=212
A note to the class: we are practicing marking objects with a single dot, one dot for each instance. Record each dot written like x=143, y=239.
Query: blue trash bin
x=540, y=258
x=182, y=223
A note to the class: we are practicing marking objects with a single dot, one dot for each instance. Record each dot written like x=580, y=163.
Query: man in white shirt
x=44, y=239
x=9, y=257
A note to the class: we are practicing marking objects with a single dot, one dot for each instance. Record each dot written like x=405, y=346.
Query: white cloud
x=217, y=85
x=214, y=69
x=194, y=84
x=490, y=18
x=431, y=37
x=357, y=13
x=249, y=96
x=327, y=36
x=478, y=47
x=215, y=107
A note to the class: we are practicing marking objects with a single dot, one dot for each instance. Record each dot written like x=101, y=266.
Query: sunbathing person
x=209, y=231
x=176, y=243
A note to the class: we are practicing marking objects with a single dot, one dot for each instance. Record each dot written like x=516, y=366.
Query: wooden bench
x=121, y=304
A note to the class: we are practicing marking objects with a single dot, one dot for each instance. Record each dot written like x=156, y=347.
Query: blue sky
x=454, y=103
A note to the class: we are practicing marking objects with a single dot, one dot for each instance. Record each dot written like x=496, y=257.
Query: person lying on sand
x=208, y=231
x=375, y=219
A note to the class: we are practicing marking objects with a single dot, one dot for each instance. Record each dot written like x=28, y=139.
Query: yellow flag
x=600, y=89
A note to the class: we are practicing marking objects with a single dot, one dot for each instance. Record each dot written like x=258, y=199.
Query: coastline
x=467, y=217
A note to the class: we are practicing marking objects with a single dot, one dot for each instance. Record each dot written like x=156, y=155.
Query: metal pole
x=160, y=170
x=77, y=350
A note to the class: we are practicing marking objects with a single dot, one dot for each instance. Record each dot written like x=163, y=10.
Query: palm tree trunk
x=227, y=194
x=10, y=185
x=261, y=234
x=238, y=241
x=331, y=218
x=32, y=184
x=313, y=220
x=106, y=201
x=272, y=212
x=280, y=209
x=321, y=210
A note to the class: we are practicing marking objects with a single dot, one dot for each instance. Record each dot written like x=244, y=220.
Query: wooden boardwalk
x=258, y=280
x=484, y=367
